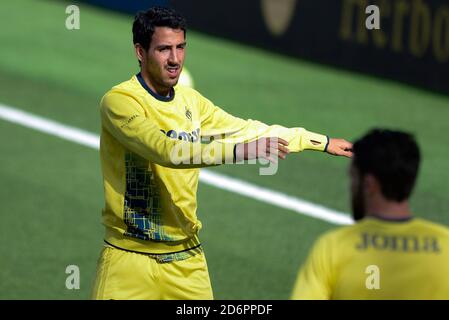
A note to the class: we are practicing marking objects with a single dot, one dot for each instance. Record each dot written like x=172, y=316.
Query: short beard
x=358, y=204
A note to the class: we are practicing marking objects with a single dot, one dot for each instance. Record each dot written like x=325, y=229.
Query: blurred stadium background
x=51, y=189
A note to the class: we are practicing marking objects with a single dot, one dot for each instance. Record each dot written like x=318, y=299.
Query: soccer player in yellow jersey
x=155, y=136
x=387, y=253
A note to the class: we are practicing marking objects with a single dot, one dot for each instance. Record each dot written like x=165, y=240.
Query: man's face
x=164, y=59
x=357, y=198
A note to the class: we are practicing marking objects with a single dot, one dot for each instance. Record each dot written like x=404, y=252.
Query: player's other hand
x=339, y=147
x=266, y=148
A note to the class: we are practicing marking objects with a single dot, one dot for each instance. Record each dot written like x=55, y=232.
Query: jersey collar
x=142, y=82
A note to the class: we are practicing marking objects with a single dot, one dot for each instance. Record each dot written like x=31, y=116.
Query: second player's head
x=384, y=169
x=159, y=37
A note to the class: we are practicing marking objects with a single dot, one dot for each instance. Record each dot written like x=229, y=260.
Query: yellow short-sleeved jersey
x=150, y=195
x=378, y=259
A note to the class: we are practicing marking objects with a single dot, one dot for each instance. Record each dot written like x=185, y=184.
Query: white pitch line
x=206, y=176
x=48, y=126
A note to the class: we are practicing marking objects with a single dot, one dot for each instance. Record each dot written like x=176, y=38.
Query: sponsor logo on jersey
x=188, y=113
x=182, y=135
x=403, y=243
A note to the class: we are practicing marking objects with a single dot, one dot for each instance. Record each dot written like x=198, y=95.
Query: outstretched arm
x=227, y=128
x=125, y=120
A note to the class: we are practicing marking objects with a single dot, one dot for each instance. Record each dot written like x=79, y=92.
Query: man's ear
x=371, y=184
x=140, y=52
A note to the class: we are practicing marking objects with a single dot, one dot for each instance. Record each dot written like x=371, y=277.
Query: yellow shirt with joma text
x=378, y=259
x=151, y=150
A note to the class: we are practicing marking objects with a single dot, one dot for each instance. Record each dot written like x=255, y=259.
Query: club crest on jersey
x=186, y=136
x=188, y=113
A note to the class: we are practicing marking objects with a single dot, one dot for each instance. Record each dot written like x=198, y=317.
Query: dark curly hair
x=393, y=157
x=146, y=21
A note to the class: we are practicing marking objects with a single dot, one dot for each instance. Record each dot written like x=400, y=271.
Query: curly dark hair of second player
x=146, y=21
x=393, y=157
